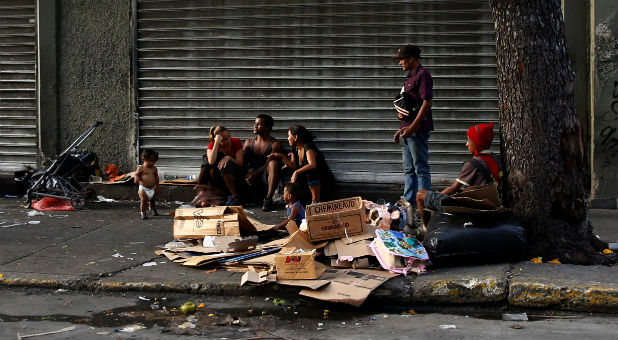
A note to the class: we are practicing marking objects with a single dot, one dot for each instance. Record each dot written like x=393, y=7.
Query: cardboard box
x=335, y=219
x=294, y=264
x=210, y=221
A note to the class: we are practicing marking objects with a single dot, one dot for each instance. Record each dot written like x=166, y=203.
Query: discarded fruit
x=554, y=261
x=607, y=251
x=537, y=260
x=188, y=308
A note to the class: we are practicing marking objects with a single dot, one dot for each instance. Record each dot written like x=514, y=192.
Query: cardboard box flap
x=333, y=207
x=353, y=250
x=200, y=227
x=351, y=286
x=300, y=240
x=293, y=263
x=226, y=213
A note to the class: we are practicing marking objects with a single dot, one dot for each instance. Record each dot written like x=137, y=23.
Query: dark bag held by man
x=407, y=110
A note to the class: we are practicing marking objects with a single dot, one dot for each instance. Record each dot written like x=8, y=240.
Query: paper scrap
x=149, y=264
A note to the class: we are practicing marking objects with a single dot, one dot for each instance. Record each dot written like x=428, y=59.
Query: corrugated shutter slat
x=322, y=64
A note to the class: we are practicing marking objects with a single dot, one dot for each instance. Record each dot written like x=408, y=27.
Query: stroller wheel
x=78, y=201
x=27, y=201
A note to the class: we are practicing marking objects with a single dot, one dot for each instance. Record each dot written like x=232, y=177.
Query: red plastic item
x=52, y=204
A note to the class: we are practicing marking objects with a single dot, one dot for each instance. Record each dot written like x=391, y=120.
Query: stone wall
x=605, y=104
x=94, y=76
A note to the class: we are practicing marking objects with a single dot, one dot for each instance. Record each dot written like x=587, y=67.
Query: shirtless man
x=147, y=177
x=257, y=149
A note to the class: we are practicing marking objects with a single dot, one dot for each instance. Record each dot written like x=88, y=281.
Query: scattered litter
x=143, y=298
x=607, y=251
x=188, y=308
x=187, y=324
x=612, y=246
x=201, y=305
x=537, y=260
x=554, y=261
x=250, y=212
x=103, y=199
x=448, y=327
x=1, y=275
x=10, y=225
x=61, y=290
x=34, y=222
x=516, y=326
x=59, y=216
x=117, y=255
x=35, y=213
x=132, y=328
x=515, y=317
x=149, y=264
x=178, y=202
x=66, y=329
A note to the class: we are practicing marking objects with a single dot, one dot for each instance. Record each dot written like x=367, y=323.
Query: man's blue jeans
x=415, y=153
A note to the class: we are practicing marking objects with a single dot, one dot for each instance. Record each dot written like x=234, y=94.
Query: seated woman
x=222, y=166
x=306, y=165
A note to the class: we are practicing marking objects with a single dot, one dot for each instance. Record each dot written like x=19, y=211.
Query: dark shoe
x=154, y=212
x=268, y=205
x=143, y=214
x=231, y=200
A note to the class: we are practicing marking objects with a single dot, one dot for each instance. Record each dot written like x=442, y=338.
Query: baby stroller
x=56, y=181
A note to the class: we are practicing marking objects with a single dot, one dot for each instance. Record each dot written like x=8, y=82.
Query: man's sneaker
x=231, y=200
x=268, y=205
x=154, y=212
x=143, y=214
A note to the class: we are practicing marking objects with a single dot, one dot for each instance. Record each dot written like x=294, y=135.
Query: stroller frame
x=51, y=184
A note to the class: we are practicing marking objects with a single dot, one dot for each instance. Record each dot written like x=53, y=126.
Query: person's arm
x=138, y=175
x=156, y=173
x=293, y=213
x=212, y=153
x=416, y=124
x=289, y=162
x=237, y=159
x=451, y=189
x=312, y=163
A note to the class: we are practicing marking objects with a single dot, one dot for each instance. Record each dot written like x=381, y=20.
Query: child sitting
x=296, y=211
x=482, y=169
x=147, y=177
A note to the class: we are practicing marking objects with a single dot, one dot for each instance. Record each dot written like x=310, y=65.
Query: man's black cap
x=408, y=51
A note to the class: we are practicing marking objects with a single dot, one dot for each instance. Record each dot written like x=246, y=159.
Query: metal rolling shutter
x=18, y=109
x=322, y=64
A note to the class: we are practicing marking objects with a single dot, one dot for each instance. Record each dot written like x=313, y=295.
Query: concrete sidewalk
x=105, y=246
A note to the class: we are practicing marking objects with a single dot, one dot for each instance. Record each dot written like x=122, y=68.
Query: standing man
x=257, y=150
x=414, y=130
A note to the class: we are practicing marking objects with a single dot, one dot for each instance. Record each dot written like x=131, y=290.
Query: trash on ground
x=52, y=204
x=188, y=308
x=607, y=251
x=514, y=317
x=612, y=246
x=103, y=199
x=35, y=213
x=448, y=327
x=131, y=329
x=66, y=329
x=149, y=264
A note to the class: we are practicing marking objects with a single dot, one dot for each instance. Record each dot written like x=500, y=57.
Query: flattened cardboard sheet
x=351, y=286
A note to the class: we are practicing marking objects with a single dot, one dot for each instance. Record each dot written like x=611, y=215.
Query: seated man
x=257, y=149
x=482, y=169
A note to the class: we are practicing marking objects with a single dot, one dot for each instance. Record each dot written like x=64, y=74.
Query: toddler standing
x=147, y=177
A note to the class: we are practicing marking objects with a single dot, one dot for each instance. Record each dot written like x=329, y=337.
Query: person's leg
x=153, y=202
x=420, y=155
x=273, y=177
x=143, y=204
x=410, y=181
x=315, y=193
x=420, y=204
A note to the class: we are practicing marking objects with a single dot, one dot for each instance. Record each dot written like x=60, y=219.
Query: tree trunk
x=546, y=183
